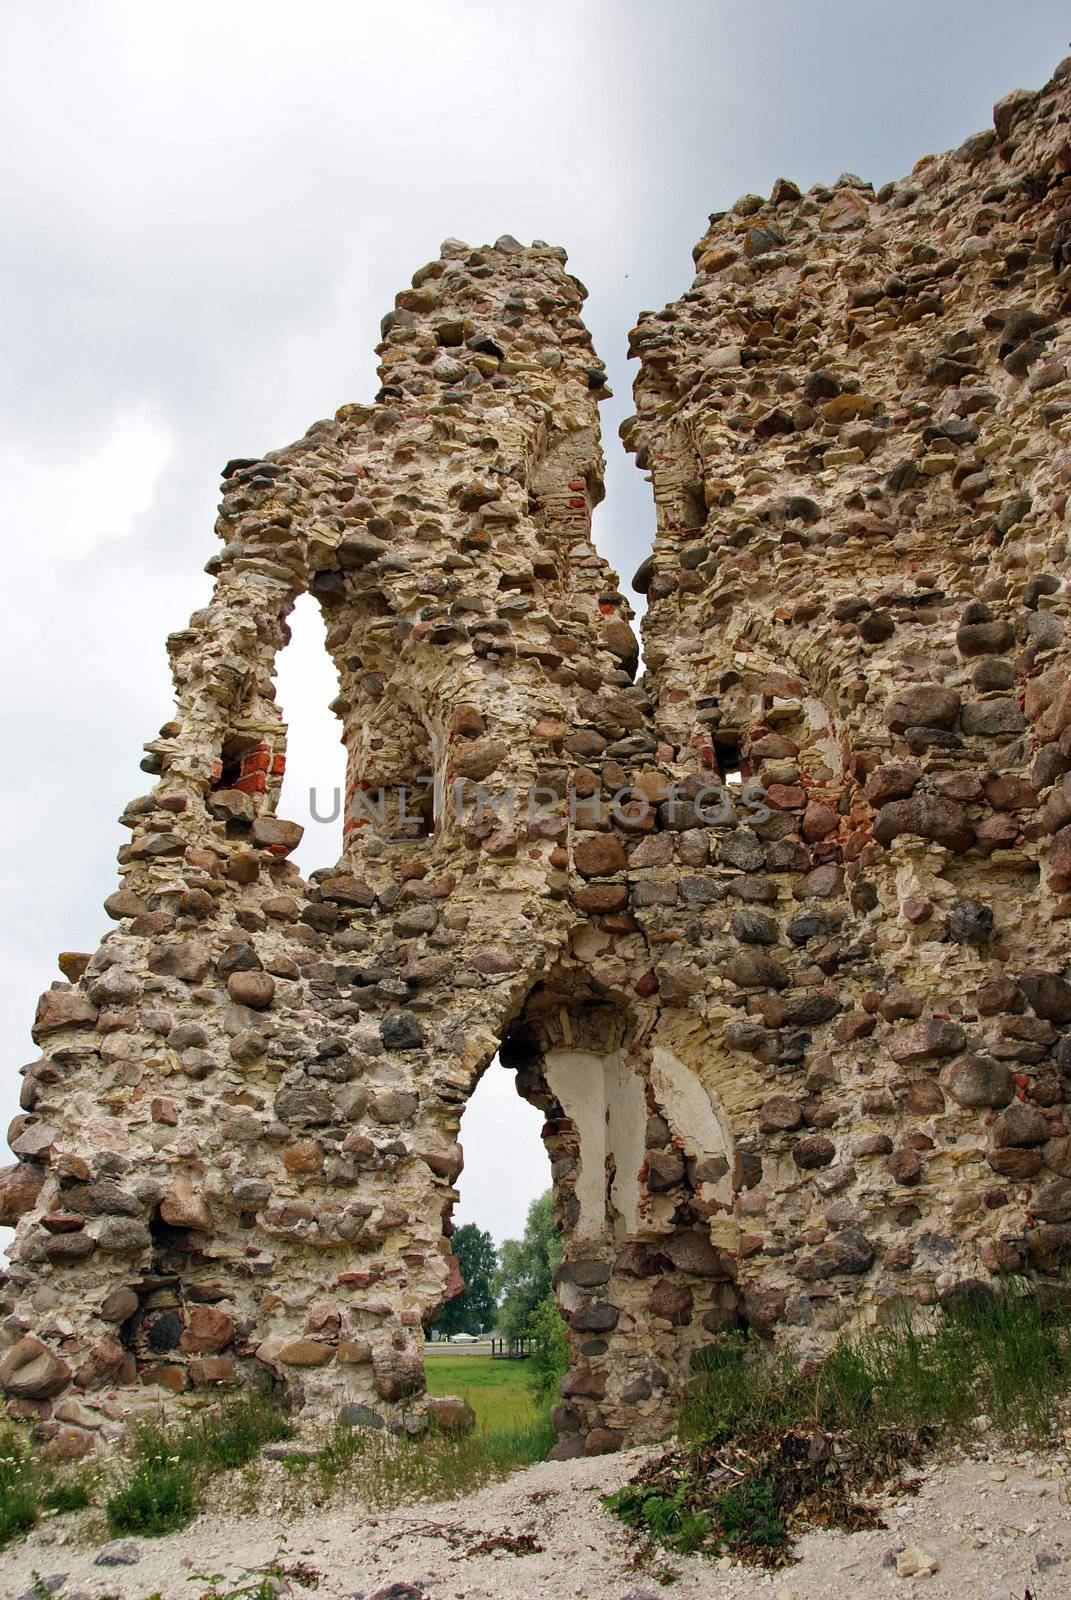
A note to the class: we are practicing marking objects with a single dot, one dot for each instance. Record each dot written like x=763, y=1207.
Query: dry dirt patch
x=998, y=1527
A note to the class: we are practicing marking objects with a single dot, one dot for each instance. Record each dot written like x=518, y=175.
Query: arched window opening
x=505, y=1163
x=637, y=1236
x=313, y=784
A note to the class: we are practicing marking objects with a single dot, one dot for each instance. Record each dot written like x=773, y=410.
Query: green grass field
x=517, y=1428
x=495, y=1390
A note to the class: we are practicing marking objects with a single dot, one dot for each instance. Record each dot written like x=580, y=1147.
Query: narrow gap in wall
x=623, y=524
x=505, y=1172
x=314, y=784
x=729, y=762
x=698, y=512
x=508, y=1251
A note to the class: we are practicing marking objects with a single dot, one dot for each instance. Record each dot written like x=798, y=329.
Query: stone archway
x=642, y=1168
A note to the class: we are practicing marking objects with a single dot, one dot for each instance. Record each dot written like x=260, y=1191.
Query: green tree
x=473, y=1310
x=526, y=1269
x=549, y=1359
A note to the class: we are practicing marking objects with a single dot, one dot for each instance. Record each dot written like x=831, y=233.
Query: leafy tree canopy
x=548, y=1361
x=473, y=1310
x=526, y=1269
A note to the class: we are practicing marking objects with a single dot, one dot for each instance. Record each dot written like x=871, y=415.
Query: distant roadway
x=441, y=1347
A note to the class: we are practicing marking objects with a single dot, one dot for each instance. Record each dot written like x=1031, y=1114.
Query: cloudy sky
x=207, y=209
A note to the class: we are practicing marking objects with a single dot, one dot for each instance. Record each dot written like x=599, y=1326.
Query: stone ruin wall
x=800, y=1069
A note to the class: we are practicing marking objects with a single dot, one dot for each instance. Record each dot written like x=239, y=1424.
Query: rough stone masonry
x=803, y=1065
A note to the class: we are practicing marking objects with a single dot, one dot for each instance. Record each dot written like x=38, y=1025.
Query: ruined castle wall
x=802, y=1052
x=238, y=1147
x=857, y=426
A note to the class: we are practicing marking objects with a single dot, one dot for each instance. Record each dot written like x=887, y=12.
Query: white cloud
x=66, y=508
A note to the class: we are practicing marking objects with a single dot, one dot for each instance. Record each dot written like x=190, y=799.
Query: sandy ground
x=999, y=1528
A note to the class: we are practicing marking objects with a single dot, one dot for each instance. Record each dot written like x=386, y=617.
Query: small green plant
x=19, y=1485
x=749, y=1514
x=303, y=1573
x=664, y=1517
x=247, y=1586
x=767, y=1447
x=345, y=1446
x=157, y=1498
x=67, y=1494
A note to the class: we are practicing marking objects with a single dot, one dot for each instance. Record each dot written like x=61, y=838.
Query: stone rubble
x=802, y=1052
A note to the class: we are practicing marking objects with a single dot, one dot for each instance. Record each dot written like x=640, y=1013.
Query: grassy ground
x=516, y=1427
x=159, y=1481
x=156, y=1489
x=496, y=1390
x=767, y=1448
